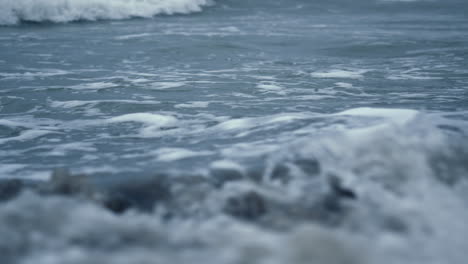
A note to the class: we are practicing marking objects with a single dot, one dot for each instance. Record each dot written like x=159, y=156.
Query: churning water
x=248, y=131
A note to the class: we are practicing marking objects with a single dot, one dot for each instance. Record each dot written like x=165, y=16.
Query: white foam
x=166, y=85
x=226, y=165
x=63, y=149
x=26, y=135
x=313, y=97
x=152, y=122
x=7, y=169
x=93, y=86
x=61, y=11
x=249, y=150
x=9, y=123
x=231, y=29
x=244, y=95
x=172, y=154
x=398, y=116
x=90, y=170
x=235, y=124
x=286, y=117
x=405, y=76
x=197, y=104
x=133, y=36
x=345, y=74
x=70, y=104
x=344, y=85
x=79, y=103
x=33, y=175
x=147, y=118
x=271, y=87
x=243, y=125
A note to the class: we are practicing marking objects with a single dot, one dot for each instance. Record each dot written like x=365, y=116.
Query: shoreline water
x=246, y=132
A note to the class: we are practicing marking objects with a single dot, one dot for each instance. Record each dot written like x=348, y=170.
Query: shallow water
x=251, y=111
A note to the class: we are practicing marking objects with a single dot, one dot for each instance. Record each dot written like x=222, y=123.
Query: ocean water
x=235, y=131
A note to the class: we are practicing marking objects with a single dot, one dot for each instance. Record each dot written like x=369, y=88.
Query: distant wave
x=60, y=11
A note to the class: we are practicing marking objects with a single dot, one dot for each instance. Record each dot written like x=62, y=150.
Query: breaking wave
x=397, y=189
x=61, y=11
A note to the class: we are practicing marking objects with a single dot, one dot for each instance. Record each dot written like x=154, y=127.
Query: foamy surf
x=255, y=131
x=62, y=11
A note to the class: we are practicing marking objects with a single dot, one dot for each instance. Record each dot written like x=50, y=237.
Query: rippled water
x=284, y=132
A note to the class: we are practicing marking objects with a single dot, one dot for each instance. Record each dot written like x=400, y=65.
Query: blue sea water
x=272, y=98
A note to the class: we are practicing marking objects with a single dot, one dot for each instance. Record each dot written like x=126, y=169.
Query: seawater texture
x=233, y=132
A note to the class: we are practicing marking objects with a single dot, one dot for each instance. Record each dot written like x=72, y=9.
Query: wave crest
x=61, y=11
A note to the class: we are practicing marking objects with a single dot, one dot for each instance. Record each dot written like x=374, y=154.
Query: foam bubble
x=63, y=149
x=153, y=122
x=236, y=124
x=271, y=87
x=344, y=85
x=226, y=164
x=172, y=154
x=197, y=104
x=166, y=85
x=27, y=135
x=345, y=74
x=133, y=36
x=399, y=116
x=82, y=103
x=93, y=86
x=147, y=118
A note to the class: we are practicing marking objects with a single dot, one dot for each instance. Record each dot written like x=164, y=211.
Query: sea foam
x=61, y=11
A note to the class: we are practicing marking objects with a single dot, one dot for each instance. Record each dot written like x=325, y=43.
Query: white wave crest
x=61, y=11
